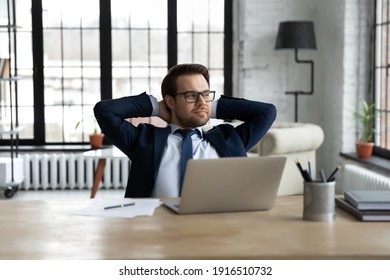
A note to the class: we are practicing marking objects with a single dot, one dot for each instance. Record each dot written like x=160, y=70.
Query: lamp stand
x=300, y=92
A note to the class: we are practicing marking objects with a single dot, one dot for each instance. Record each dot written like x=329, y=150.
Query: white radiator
x=358, y=178
x=71, y=171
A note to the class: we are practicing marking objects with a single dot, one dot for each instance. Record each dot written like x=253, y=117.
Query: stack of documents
x=366, y=205
x=120, y=208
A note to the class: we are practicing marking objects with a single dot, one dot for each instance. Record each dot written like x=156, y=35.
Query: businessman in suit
x=187, y=105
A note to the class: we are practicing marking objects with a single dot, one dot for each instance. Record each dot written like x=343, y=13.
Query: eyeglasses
x=193, y=96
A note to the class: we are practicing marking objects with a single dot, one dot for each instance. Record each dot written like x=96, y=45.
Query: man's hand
x=163, y=112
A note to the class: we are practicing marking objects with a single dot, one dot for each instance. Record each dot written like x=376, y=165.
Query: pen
x=119, y=206
x=299, y=166
x=306, y=176
x=309, y=167
x=322, y=175
x=331, y=177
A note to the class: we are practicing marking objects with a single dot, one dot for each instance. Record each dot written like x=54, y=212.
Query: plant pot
x=364, y=149
x=96, y=140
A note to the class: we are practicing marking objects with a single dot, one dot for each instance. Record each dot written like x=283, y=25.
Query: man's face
x=189, y=115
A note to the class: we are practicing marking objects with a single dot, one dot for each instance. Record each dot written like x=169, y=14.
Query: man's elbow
x=271, y=112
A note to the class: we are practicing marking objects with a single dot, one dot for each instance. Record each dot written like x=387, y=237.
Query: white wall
x=341, y=76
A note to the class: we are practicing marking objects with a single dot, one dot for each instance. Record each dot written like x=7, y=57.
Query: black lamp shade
x=296, y=35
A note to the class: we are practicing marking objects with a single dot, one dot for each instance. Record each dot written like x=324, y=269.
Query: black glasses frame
x=191, y=92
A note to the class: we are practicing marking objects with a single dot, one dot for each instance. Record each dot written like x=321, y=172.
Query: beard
x=192, y=122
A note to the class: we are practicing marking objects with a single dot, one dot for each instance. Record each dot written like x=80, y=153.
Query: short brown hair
x=168, y=85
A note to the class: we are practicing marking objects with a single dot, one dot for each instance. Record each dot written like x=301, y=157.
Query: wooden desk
x=102, y=155
x=48, y=230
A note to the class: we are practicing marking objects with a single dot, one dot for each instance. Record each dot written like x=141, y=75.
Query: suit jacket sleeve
x=112, y=114
x=257, y=118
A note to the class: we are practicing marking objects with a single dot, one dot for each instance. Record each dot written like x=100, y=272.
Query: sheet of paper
x=141, y=207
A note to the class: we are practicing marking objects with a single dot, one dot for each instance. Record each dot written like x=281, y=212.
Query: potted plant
x=96, y=137
x=365, y=117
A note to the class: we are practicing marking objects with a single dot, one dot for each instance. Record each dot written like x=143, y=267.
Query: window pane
x=202, y=49
x=91, y=50
x=69, y=13
x=201, y=36
x=71, y=48
x=217, y=15
x=26, y=119
x=132, y=81
x=54, y=124
x=217, y=82
x=139, y=46
x=121, y=55
x=51, y=46
x=138, y=14
x=216, y=50
x=121, y=81
x=158, y=48
x=24, y=50
x=192, y=15
x=185, y=47
x=200, y=15
x=82, y=117
x=25, y=90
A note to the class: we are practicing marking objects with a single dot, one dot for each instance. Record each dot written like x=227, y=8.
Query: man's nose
x=200, y=100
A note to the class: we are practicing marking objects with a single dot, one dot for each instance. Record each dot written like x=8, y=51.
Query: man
x=188, y=103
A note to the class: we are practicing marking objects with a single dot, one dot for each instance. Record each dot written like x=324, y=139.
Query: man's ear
x=169, y=100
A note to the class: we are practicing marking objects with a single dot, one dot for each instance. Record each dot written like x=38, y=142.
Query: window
x=139, y=48
x=71, y=67
x=200, y=36
x=382, y=76
x=108, y=49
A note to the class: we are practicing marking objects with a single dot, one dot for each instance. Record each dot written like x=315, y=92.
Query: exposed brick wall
x=341, y=64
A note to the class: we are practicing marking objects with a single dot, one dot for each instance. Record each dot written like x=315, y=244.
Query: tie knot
x=187, y=132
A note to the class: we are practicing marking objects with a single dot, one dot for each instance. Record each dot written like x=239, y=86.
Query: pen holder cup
x=319, y=201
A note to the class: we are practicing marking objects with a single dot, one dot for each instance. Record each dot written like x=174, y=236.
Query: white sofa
x=296, y=141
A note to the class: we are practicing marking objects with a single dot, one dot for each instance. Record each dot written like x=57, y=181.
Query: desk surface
x=49, y=230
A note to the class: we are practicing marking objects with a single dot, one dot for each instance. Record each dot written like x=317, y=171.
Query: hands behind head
x=164, y=112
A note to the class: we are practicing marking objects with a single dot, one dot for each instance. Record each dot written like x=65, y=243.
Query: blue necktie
x=186, y=152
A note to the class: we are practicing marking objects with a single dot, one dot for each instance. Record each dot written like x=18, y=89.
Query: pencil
x=119, y=206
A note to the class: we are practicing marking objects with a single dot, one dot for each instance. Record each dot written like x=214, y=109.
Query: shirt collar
x=176, y=127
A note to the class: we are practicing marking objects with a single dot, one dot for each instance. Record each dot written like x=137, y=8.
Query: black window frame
x=380, y=151
x=106, y=61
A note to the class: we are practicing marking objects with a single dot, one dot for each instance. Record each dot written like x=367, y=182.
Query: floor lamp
x=297, y=35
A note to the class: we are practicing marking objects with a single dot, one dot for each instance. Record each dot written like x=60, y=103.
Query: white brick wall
x=341, y=76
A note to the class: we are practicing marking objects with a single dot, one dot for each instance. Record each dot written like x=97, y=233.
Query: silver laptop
x=229, y=184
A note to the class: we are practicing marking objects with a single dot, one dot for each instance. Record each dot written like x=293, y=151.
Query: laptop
x=229, y=185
